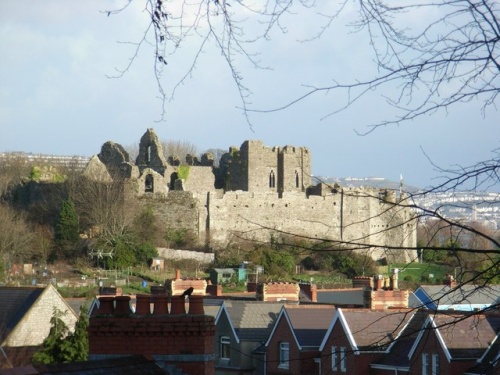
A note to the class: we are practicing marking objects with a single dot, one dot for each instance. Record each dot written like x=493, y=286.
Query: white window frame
x=343, y=367
x=225, y=345
x=425, y=364
x=284, y=354
x=435, y=364
x=334, y=358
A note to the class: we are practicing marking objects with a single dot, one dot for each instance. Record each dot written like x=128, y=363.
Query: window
x=272, y=180
x=296, y=179
x=149, y=184
x=435, y=364
x=334, y=358
x=425, y=364
x=225, y=348
x=284, y=355
x=148, y=154
x=342, y=359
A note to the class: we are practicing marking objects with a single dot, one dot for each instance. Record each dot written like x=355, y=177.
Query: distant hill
x=376, y=182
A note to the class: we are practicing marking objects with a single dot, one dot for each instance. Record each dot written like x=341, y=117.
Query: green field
x=421, y=272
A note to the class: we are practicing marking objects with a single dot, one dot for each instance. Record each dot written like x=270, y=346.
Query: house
x=489, y=363
x=177, y=340
x=25, y=314
x=242, y=327
x=294, y=343
x=395, y=359
x=357, y=337
x=459, y=297
x=453, y=343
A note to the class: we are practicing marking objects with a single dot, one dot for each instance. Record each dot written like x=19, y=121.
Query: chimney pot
x=160, y=302
x=106, y=305
x=196, y=305
x=122, y=305
x=142, y=306
x=177, y=305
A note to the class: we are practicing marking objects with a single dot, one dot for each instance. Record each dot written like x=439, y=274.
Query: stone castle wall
x=349, y=216
x=266, y=192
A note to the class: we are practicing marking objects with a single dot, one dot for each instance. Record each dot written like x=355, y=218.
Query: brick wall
x=383, y=299
x=282, y=334
x=355, y=364
x=310, y=290
x=272, y=292
x=185, y=341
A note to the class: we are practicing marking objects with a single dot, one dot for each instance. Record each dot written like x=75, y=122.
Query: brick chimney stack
x=449, y=280
x=178, y=341
x=394, y=279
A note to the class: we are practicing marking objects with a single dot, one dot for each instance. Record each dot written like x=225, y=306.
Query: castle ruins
x=257, y=192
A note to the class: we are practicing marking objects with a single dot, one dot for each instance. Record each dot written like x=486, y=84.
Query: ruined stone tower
x=257, y=168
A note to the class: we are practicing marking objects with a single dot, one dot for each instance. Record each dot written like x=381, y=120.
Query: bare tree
x=179, y=149
x=103, y=207
x=16, y=237
x=449, y=58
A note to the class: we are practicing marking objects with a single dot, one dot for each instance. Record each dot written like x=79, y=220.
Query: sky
x=59, y=94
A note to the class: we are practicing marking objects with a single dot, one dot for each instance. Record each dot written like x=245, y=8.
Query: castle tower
x=294, y=169
x=257, y=168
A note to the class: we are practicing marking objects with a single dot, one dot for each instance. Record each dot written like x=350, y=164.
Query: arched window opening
x=174, y=176
x=148, y=154
x=297, y=179
x=272, y=180
x=149, y=184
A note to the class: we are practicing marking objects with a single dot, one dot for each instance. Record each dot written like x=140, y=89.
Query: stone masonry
x=257, y=192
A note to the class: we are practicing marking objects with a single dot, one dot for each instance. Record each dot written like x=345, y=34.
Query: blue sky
x=56, y=97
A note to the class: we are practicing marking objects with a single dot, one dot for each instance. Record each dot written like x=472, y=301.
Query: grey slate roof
x=351, y=296
x=15, y=302
x=376, y=329
x=398, y=355
x=310, y=323
x=467, y=336
x=465, y=294
x=253, y=320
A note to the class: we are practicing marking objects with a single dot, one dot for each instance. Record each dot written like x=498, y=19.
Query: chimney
x=177, y=305
x=449, y=280
x=106, y=305
x=196, y=305
x=394, y=279
x=310, y=290
x=143, y=304
x=364, y=282
x=160, y=302
x=185, y=343
x=122, y=305
x=379, y=280
x=177, y=274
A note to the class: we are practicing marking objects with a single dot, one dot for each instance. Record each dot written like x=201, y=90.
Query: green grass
x=421, y=272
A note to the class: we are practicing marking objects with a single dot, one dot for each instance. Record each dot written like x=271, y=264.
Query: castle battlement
x=257, y=192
